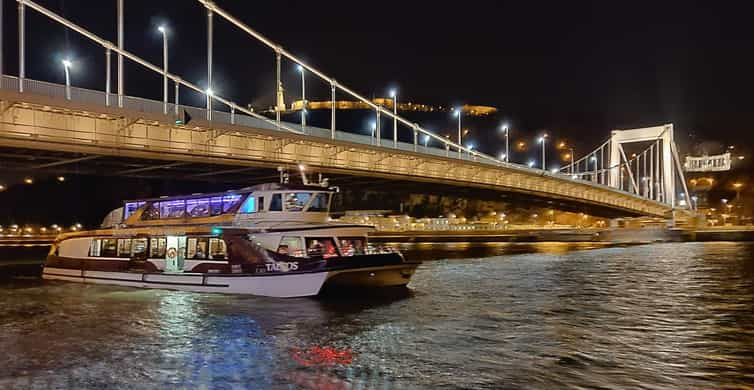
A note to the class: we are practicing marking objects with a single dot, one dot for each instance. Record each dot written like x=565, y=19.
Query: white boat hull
x=271, y=285
x=283, y=286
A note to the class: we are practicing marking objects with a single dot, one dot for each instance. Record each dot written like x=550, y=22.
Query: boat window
x=124, y=247
x=109, y=247
x=351, y=246
x=260, y=206
x=292, y=246
x=216, y=205
x=197, y=207
x=276, y=203
x=152, y=212
x=197, y=248
x=157, y=247
x=249, y=206
x=230, y=202
x=321, y=202
x=130, y=208
x=94, y=248
x=321, y=247
x=295, y=201
x=139, y=246
x=217, y=249
x=172, y=208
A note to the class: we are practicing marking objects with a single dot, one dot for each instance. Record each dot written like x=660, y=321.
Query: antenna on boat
x=302, y=169
x=323, y=181
x=283, y=175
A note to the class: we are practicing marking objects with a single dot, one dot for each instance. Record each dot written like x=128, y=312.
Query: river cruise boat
x=271, y=239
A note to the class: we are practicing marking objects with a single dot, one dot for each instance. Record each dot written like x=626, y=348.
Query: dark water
x=532, y=316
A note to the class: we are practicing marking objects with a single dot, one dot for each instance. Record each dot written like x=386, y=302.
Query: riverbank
x=618, y=236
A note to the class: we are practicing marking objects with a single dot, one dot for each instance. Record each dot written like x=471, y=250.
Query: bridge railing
x=88, y=96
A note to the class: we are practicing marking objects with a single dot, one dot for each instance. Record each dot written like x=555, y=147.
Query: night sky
x=576, y=69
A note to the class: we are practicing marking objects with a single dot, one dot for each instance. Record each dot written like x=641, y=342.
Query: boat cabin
x=249, y=206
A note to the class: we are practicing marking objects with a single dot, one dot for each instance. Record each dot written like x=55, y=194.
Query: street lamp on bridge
x=163, y=30
x=66, y=65
x=543, y=141
x=394, y=96
x=457, y=114
x=303, y=97
x=507, y=154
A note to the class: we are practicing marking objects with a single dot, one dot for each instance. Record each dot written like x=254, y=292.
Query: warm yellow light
x=737, y=185
x=61, y=178
x=28, y=180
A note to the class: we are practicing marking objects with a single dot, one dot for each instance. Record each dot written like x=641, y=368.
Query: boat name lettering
x=283, y=266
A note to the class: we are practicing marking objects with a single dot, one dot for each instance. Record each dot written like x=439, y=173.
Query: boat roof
x=245, y=190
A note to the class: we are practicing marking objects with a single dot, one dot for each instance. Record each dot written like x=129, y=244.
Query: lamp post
x=737, y=187
x=303, y=98
x=374, y=128
x=543, y=141
x=164, y=32
x=594, y=160
x=457, y=113
x=394, y=95
x=66, y=66
x=506, y=129
x=426, y=142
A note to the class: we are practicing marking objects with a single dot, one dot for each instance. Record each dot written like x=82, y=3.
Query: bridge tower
x=665, y=165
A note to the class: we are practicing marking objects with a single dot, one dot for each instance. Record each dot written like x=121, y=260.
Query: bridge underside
x=19, y=162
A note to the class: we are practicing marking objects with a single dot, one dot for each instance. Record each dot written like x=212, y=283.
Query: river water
x=497, y=316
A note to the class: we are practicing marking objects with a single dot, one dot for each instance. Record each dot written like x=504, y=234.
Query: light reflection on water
x=533, y=315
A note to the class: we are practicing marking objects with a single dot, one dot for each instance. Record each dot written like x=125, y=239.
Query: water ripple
x=507, y=316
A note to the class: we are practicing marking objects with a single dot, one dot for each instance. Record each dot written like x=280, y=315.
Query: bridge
x=47, y=126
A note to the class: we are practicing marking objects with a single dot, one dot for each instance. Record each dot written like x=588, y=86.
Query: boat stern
x=370, y=271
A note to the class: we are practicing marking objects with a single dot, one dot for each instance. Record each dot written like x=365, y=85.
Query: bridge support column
x=332, y=111
x=21, y=48
x=120, y=56
x=177, y=87
x=209, y=65
x=107, y=77
x=279, y=102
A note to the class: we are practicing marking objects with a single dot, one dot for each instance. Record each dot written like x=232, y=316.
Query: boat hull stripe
x=142, y=280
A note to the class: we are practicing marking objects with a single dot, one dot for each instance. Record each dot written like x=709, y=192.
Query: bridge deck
x=31, y=121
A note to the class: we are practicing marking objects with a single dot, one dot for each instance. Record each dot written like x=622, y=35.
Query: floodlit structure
x=652, y=173
x=37, y=116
